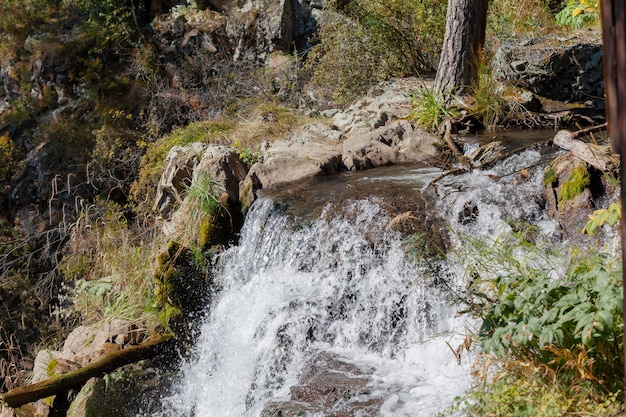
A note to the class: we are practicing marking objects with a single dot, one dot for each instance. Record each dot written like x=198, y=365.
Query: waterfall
x=334, y=300
x=339, y=285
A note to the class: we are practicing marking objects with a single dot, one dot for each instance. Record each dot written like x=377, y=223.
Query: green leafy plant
x=579, y=13
x=530, y=313
x=551, y=333
x=246, y=154
x=611, y=216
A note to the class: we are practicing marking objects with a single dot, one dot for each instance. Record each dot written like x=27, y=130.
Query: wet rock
x=559, y=68
x=487, y=154
x=468, y=214
x=128, y=392
x=328, y=386
x=568, y=193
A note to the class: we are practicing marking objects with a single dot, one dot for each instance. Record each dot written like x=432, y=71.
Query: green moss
x=51, y=367
x=206, y=231
x=549, y=178
x=578, y=180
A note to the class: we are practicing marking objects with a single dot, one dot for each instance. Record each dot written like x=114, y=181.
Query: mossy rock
x=183, y=282
x=111, y=395
x=220, y=227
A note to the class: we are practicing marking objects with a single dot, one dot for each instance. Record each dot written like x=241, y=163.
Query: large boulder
x=179, y=165
x=384, y=102
x=558, y=68
x=185, y=165
x=84, y=345
x=260, y=27
x=397, y=143
x=313, y=150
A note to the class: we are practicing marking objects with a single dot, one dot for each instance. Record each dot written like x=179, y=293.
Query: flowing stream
x=306, y=305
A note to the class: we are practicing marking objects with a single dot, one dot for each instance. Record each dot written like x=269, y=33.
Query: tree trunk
x=59, y=384
x=466, y=22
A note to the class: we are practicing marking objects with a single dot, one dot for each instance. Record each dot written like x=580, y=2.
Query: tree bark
x=466, y=22
x=59, y=384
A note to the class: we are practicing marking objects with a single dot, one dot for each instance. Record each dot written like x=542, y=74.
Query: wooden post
x=614, y=56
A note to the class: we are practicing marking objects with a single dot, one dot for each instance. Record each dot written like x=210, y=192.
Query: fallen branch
x=59, y=384
x=597, y=156
x=446, y=132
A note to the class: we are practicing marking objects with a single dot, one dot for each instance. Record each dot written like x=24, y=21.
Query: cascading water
x=341, y=286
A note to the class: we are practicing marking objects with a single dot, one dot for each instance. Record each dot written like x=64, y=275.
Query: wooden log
x=597, y=156
x=59, y=384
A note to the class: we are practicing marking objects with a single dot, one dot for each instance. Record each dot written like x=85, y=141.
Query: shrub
x=373, y=40
x=412, y=31
x=346, y=62
x=522, y=389
x=579, y=13
x=8, y=156
x=562, y=326
x=511, y=18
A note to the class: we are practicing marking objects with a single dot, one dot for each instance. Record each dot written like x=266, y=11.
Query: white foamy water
x=341, y=285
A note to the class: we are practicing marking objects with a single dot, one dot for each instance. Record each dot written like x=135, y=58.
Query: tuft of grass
x=430, y=109
x=489, y=104
x=110, y=267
